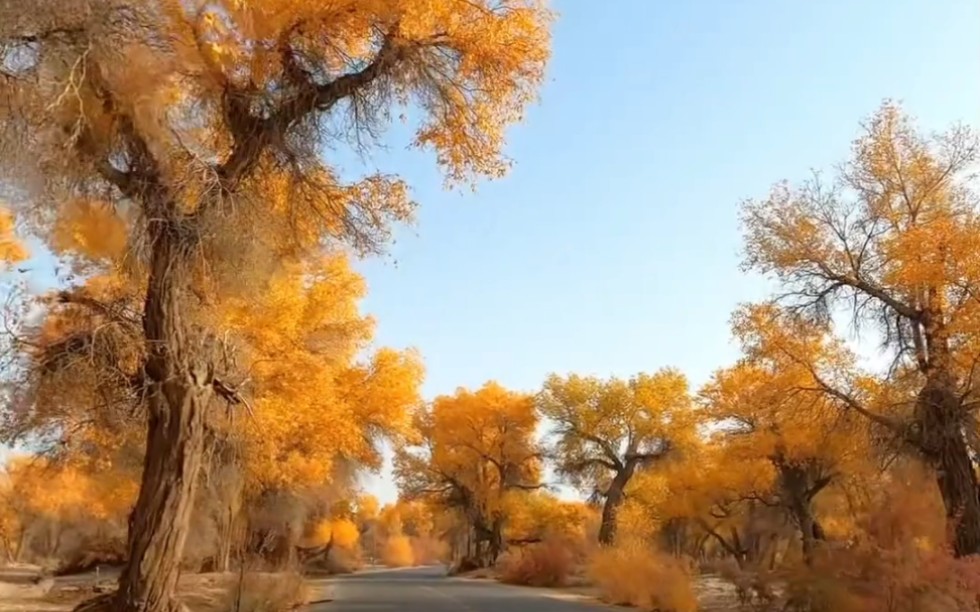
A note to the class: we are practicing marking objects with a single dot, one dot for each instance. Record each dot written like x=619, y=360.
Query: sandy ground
x=22, y=589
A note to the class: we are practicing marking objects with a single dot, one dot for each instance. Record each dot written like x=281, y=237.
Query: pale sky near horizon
x=612, y=247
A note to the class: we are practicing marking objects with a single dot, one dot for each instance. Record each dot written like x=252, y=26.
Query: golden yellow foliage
x=634, y=575
x=605, y=431
x=478, y=446
x=313, y=402
x=11, y=249
x=66, y=491
x=538, y=515
x=501, y=49
x=397, y=552
x=205, y=127
x=90, y=229
x=367, y=508
x=339, y=532
x=600, y=425
x=542, y=564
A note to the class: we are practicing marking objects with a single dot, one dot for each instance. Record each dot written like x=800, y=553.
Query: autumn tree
x=298, y=347
x=477, y=447
x=52, y=509
x=799, y=442
x=893, y=237
x=604, y=431
x=204, y=124
x=536, y=516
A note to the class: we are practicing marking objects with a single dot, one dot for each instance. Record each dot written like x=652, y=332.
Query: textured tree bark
x=496, y=544
x=179, y=390
x=610, y=509
x=227, y=537
x=943, y=443
x=798, y=489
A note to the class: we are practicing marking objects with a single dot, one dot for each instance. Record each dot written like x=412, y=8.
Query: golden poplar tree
x=203, y=125
x=894, y=238
x=605, y=431
x=477, y=447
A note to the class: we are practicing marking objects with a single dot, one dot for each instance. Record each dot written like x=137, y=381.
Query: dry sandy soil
x=23, y=589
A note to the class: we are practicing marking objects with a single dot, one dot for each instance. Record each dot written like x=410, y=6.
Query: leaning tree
x=205, y=126
x=605, y=431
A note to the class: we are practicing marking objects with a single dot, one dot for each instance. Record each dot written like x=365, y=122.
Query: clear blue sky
x=612, y=247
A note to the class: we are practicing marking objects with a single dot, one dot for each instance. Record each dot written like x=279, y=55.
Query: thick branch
x=643, y=458
x=603, y=445
x=115, y=315
x=253, y=135
x=719, y=538
x=818, y=485
x=578, y=466
x=849, y=400
x=856, y=282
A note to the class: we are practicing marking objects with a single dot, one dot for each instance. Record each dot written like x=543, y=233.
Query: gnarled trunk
x=496, y=544
x=798, y=487
x=178, y=394
x=944, y=444
x=615, y=496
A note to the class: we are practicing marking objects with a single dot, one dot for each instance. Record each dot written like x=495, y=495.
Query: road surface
x=428, y=589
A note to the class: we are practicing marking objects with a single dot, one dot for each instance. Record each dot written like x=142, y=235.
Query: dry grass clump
x=545, y=564
x=397, y=552
x=633, y=574
x=264, y=593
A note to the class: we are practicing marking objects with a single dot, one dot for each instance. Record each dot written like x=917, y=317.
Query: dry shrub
x=465, y=565
x=897, y=561
x=344, y=560
x=754, y=587
x=397, y=552
x=427, y=550
x=337, y=561
x=265, y=593
x=868, y=577
x=546, y=564
x=633, y=574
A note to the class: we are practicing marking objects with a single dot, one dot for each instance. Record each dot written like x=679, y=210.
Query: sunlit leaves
x=11, y=249
x=470, y=66
x=314, y=402
x=895, y=233
x=538, y=515
x=339, y=532
x=475, y=446
x=69, y=491
x=599, y=423
x=92, y=230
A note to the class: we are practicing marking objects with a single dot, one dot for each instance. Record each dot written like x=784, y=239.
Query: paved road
x=429, y=590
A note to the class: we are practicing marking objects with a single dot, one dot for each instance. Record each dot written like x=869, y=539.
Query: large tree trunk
x=496, y=544
x=178, y=394
x=615, y=496
x=798, y=488
x=944, y=443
